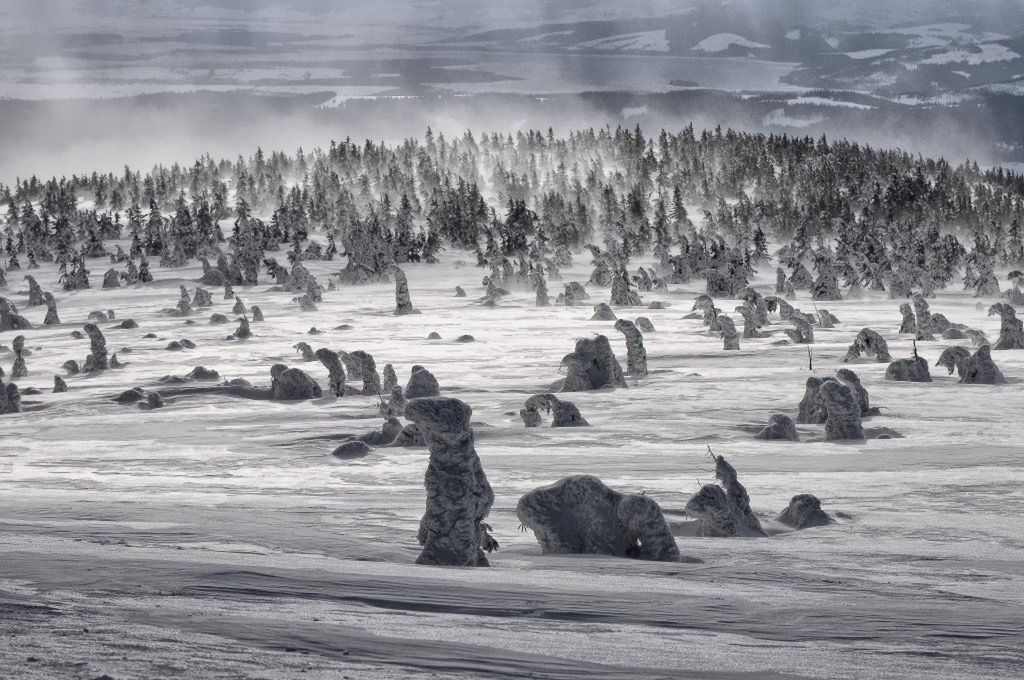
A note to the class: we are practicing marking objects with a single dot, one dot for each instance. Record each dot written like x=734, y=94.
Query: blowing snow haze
x=96, y=83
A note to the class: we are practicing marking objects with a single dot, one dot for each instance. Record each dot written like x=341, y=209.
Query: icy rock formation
x=305, y=350
x=953, y=358
x=803, y=333
x=292, y=384
x=843, y=412
x=730, y=337
x=724, y=511
x=332, y=362
x=804, y=511
x=811, y=411
x=59, y=385
x=779, y=427
x=563, y=413
x=979, y=369
x=909, y=322
x=644, y=324
x=1011, y=329
x=97, y=359
x=459, y=497
x=19, y=370
x=403, y=302
x=870, y=343
x=852, y=380
x=422, y=383
x=924, y=318
x=914, y=369
x=581, y=515
x=602, y=312
x=636, y=355
x=51, y=310
x=10, y=398
x=591, y=366
x=10, y=320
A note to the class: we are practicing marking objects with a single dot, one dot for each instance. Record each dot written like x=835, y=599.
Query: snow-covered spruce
x=723, y=510
x=780, y=427
x=590, y=366
x=803, y=512
x=870, y=343
x=636, y=354
x=563, y=413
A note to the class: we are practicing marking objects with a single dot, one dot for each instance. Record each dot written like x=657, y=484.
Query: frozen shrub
x=924, y=318
x=979, y=369
x=1011, y=329
x=591, y=366
x=779, y=427
x=563, y=413
x=852, y=380
x=292, y=384
x=724, y=510
x=20, y=370
x=870, y=343
x=909, y=321
x=914, y=369
x=332, y=362
x=403, y=301
x=580, y=515
x=459, y=497
x=811, y=410
x=52, y=319
x=730, y=337
x=422, y=383
x=59, y=385
x=843, y=412
x=636, y=355
x=97, y=359
x=953, y=358
x=603, y=312
x=804, y=511
x=803, y=333
x=644, y=324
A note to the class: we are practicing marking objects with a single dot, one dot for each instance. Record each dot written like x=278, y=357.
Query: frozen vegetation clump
x=563, y=413
x=1011, y=329
x=97, y=359
x=459, y=497
x=908, y=324
x=980, y=369
x=811, y=410
x=852, y=380
x=10, y=398
x=602, y=312
x=913, y=369
x=292, y=384
x=644, y=324
x=591, y=366
x=870, y=343
x=804, y=511
x=581, y=515
x=730, y=337
x=780, y=427
x=10, y=320
x=636, y=355
x=953, y=359
x=403, y=301
x=19, y=370
x=842, y=410
x=332, y=362
x=422, y=383
x=803, y=331
x=723, y=510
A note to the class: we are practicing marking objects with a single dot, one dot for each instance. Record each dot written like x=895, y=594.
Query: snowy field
x=218, y=537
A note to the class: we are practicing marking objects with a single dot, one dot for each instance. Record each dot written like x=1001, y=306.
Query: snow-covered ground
x=218, y=537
